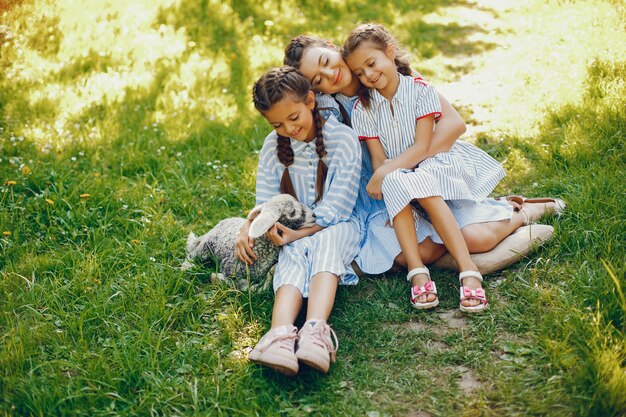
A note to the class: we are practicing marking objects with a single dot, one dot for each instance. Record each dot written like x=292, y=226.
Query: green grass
x=146, y=108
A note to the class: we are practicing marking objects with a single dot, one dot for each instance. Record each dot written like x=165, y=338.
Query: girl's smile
x=375, y=68
x=338, y=77
x=293, y=119
x=327, y=71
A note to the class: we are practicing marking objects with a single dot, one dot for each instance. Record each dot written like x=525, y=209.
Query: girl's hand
x=281, y=235
x=375, y=186
x=244, y=245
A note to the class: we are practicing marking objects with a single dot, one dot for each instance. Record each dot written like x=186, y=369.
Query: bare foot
x=534, y=211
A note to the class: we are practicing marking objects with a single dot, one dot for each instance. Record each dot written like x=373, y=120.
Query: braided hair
x=294, y=52
x=272, y=87
x=379, y=38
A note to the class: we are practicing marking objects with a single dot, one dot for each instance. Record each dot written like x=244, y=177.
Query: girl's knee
x=479, y=238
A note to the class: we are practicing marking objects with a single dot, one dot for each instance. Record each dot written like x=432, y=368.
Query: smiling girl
x=317, y=161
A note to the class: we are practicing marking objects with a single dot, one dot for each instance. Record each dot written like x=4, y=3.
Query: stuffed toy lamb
x=218, y=245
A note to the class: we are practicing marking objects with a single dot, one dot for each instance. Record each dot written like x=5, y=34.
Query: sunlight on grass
x=513, y=85
x=124, y=125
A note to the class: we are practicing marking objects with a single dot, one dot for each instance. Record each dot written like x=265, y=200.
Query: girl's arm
x=345, y=165
x=377, y=153
x=280, y=235
x=448, y=129
x=416, y=152
x=450, y=126
x=267, y=186
x=406, y=160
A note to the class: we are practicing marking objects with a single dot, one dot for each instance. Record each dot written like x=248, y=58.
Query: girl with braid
x=317, y=161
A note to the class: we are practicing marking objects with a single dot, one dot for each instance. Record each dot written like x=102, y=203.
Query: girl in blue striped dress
x=322, y=64
x=396, y=115
x=317, y=161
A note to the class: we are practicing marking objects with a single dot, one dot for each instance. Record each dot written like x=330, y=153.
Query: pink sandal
x=468, y=293
x=419, y=290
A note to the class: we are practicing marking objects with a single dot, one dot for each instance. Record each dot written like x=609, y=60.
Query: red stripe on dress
x=437, y=114
x=364, y=138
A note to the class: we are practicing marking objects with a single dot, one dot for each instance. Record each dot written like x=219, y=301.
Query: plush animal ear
x=192, y=243
x=255, y=212
x=263, y=222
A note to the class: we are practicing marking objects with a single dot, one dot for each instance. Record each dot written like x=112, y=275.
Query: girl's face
x=325, y=69
x=374, y=68
x=293, y=119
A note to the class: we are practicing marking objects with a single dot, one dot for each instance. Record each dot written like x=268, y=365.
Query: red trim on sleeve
x=437, y=114
x=364, y=138
x=356, y=103
x=420, y=80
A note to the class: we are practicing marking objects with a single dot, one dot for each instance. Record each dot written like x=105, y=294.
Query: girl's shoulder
x=326, y=101
x=268, y=149
x=337, y=135
x=270, y=139
x=334, y=126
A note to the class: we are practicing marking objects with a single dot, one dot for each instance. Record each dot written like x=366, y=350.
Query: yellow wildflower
x=134, y=241
x=10, y=182
x=96, y=174
x=49, y=201
x=26, y=170
x=6, y=233
x=85, y=196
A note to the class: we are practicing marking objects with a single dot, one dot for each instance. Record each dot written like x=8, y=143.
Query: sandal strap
x=524, y=214
x=417, y=271
x=428, y=288
x=470, y=274
x=473, y=294
x=515, y=198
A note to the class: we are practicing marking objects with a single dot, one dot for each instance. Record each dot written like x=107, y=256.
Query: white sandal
x=472, y=293
x=419, y=290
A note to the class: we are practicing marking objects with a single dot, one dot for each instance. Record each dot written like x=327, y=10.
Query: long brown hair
x=380, y=38
x=272, y=87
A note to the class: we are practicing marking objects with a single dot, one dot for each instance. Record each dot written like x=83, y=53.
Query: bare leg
x=446, y=226
x=287, y=305
x=321, y=296
x=404, y=226
x=482, y=237
x=429, y=251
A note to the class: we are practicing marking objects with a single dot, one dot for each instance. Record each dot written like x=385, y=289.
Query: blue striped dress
x=379, y=245
x=333, y=248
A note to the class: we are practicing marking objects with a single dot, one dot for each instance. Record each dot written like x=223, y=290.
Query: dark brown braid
x=272, y=87
x=380, y=38
x=322, y=169
x=296, y=48
x=285, y=156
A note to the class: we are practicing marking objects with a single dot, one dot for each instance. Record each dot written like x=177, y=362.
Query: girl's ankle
x=472, y=282
x=420, y=279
